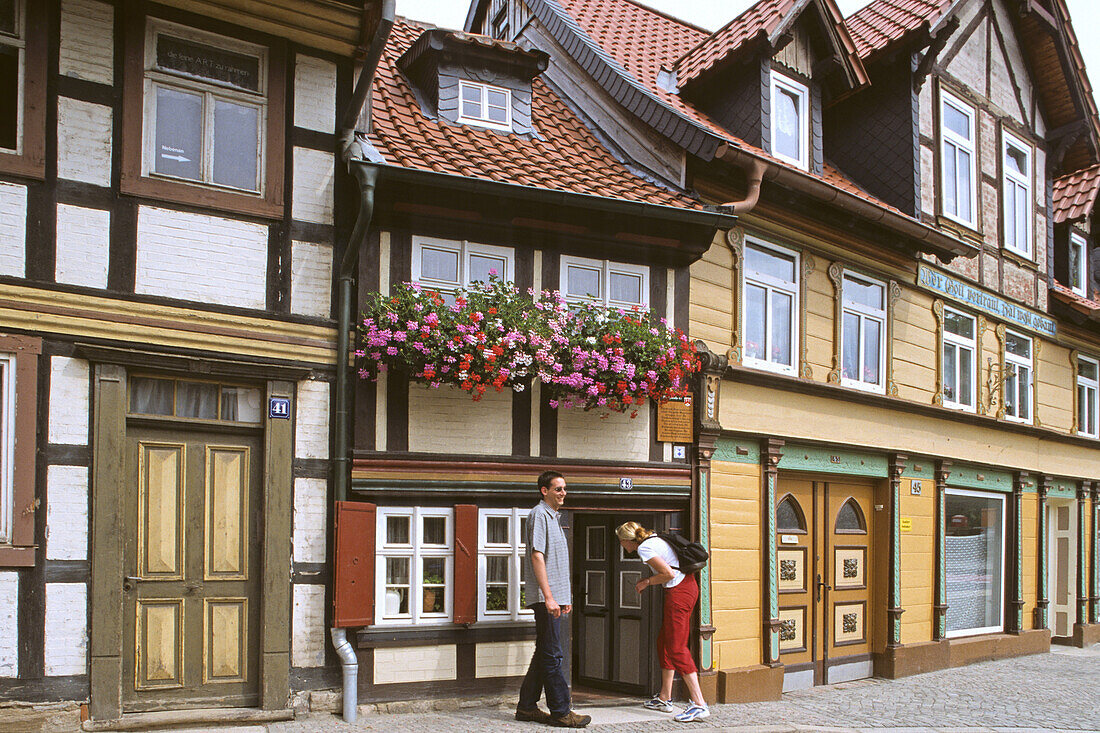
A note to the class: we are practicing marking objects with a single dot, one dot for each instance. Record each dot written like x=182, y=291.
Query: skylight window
x=484, y=105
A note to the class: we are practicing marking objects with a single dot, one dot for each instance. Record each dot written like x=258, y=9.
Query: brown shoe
x=570, y=720
x=538, y=715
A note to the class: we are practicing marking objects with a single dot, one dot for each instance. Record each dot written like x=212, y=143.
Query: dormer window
x=790, y=118
x=484, y=105
x=1077, y=264
x=957, y=162
x=1017, y=195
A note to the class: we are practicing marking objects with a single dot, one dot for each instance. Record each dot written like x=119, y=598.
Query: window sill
x=863, y=386
x=20, y=557
x=1019, y=259
x=268, y=207
x=967, y=232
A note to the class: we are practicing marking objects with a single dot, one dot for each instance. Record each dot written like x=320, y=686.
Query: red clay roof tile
x=882, y=22
x=763, y=17
x=1075, y=194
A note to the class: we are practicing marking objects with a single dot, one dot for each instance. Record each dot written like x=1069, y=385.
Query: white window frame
x=465, y=250
x=779, y=80
x=1081, y=288
x=515, y=551
x=484, y=121
x=947, y=137
x=416, y=552
x=210, y=90
x=1015, y=362
x=18, y=42
x=607, y=268
x=960, y=343
x=1088, y=391
x=771, y=284
x=7, y=446
x=864, y=313
x=1004, y=565
x=1011, y=182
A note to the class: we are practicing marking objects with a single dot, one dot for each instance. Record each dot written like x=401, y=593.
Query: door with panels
x=616, y=627
x=1062, y=566
x=824, y=556
x=192, y=516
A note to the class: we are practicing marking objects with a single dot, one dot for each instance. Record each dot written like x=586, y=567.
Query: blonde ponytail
x=632, y=532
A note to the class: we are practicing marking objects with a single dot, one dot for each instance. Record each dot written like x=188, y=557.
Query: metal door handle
x=129, y=582
x=821, y=584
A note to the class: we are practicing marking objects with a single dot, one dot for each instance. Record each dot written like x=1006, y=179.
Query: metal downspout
x=350, y=663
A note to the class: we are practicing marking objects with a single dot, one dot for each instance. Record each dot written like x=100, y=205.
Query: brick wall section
x=311, y=279
x=416, y=664
x=198, y=257
x=503, y=658
x=616, y=437
x=311, y=422
x=9, y=624
x=307, y=641
x=66, y=513
x=83, y=246
x=66, y=635
x=13, y=230
x=315, y=94
x=83, y=141
x=447, y=420
x=310, y=519
x=87, y=46
x=68, y=401
x=313, y=175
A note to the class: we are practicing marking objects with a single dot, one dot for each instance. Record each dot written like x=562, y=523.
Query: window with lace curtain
x=196, y=400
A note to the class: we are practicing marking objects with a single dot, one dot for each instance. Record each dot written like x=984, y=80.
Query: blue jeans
x=545, y=671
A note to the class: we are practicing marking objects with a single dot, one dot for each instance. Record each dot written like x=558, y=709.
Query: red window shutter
x=465, y=609
x=353, y=584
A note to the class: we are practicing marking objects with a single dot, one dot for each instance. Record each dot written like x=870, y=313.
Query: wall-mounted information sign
x=675, y=421
x=974, y=297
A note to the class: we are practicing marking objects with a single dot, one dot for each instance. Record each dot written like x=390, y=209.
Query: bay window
x=959, y=359
x=863, y=333
x=415, y=565
x=770, y=308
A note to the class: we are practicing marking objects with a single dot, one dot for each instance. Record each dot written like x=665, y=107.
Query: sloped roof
x=1075, y=194
x=1081, y=304
x=882, y=22
x=564, y=156
x=761, y=18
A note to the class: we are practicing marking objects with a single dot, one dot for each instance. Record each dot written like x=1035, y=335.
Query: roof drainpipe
x=754, y=169
x=367, y=178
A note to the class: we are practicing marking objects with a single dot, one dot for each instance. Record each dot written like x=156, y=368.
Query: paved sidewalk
x=1045, y=692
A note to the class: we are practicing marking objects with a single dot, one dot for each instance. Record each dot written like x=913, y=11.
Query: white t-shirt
x=654, y=546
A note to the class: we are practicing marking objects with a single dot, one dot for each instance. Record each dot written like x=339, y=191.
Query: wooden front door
x=192, y=564
x=824, y=560
x=1062, y=564
x=615, y=627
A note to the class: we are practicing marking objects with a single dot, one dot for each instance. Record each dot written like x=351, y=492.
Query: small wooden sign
x=676, y=421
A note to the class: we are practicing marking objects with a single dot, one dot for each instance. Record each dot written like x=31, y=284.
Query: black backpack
x=691, y=555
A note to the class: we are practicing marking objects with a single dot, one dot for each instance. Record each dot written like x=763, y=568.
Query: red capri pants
x=676, y=625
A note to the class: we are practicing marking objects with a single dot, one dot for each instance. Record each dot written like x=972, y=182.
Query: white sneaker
x=694, y=712
x=661, y=706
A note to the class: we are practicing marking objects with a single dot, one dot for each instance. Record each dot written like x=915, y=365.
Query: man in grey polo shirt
x=546, y=584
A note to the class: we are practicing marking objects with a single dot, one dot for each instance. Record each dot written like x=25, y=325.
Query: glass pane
x=966, y=378
x=1018, y=345
x=471, y=93
x=397, y=571
x=236, y=145
x=240, y=404
x=957, y=121
x=498, y=106
x=755, y=322
x=439, y=264
x=496, y=531
x=496, y=569
x=7, y=17
x=178, y=148
x=950, y=372
x=1010, y=216
x=481, y=267
x=849, y=517
x=397, y=601
x=1016, y=161
x=597, y=546
x=964, y=185
x=626, y=288
x=1022, y=213
x=197, y=399
x=781, y=328
x=1082, y=408
x=582, y=282
x=433, y=585
x=496, y=598
x=974, y=562
x=872, y=348
x=208, y=62
x=849, y=359
x=1075, y=264
x=1086, y=369
x=497, y=98
x=765, y=262
x=471, y=102
x=950, y=180
x=786, y=135
x=152, y=396
x=958, y=324
x=1010, y=391
x=863, y=293
x=397, y=530
x=787, y=517
x=9, y=96
x=1025, y=392
x=435, y=531
x=1090, y=407
x=523, y=531
x=434, y=569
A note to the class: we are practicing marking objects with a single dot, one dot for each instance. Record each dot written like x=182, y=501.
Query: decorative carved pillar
x=770, y=453
x=894, y=609
x=1042, y=601
x=735, y=242
x=708, y=387
x=1095, y=599
x=1083, y=490
x=939, y=608
x=1016, y=602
